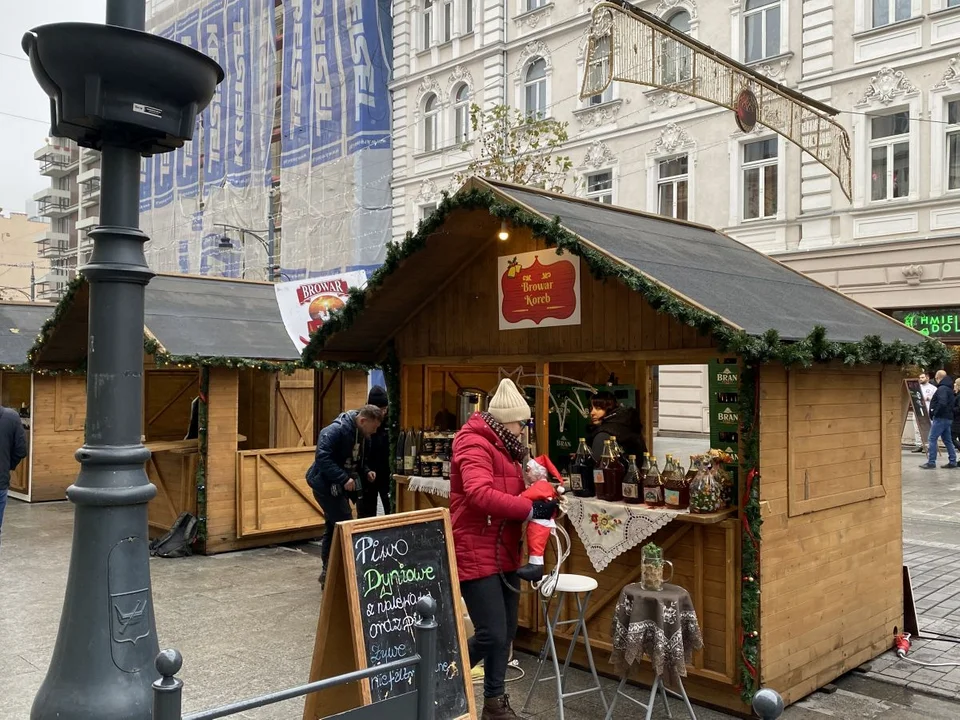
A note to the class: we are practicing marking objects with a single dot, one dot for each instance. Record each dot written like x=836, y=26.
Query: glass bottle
x=612, y=474
x=653, y=485
x=632, y=483
x=581, y=471
x=619, y=453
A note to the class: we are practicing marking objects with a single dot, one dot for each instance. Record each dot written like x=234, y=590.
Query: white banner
x=306, y=304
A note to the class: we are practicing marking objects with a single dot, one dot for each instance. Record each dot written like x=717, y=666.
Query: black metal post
x=426, y=639
x=103, y=662
x=168, y=690
x=768, y=704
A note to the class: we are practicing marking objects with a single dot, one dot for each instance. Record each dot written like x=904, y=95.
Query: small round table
x=661, y=624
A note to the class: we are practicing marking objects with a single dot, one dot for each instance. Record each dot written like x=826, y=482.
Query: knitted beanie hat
x=377, y=396
x=508, y=404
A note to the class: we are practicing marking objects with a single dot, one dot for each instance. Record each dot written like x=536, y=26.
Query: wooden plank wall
x=168, y=394
x=461, y=321
x=59, y=411
x=831, y=589
x=255, y=407
x=14, y=391
x=294, y=410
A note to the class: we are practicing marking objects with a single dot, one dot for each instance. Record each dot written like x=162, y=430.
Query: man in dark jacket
x=13, y=449
x=378, y=460
x=339, y=465
x=611, y=419
x=941, y=421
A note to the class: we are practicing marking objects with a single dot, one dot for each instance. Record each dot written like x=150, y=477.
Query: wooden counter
x=705, y=552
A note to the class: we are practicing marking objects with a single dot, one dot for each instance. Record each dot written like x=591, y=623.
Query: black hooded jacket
x=941, y=406
x=625, y=424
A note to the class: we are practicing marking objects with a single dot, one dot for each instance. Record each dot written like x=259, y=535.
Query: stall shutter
x=294, y=410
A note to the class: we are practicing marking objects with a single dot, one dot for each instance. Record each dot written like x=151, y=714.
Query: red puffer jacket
x=485, y=484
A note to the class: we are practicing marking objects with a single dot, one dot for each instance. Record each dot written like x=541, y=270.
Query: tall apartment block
x=60, y=203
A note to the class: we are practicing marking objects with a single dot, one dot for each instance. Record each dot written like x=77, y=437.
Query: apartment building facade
x=20, y=268
x=891, y=66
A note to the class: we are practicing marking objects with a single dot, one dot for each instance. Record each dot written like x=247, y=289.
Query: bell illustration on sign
x=534, y=294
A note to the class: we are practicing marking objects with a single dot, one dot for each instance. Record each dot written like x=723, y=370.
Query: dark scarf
x=514, y=447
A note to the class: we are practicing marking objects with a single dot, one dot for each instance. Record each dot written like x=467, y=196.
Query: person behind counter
x=339, y=464
x=608, y=418
x=13, y=449
x=487, y=512
x=378, y=460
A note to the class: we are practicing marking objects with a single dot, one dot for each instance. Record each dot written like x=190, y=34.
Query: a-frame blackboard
x=379, y=568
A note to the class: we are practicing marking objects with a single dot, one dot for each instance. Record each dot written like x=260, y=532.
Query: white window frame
x=612, y=191
x=672, y=180
x=609, y=94
x=889, y=142
x=461, y=114
x=426, y=27
x=431, y=117
x=949, y=130
x=426, y=210
x=527, y=6
x=448, y=21
x=939, y=181
x=738, y=186
x=891, y=9
x=738, y=30
x=525, y=84
x=681, y=50
x=863, y=15
x=469, y=24
x=860, y=139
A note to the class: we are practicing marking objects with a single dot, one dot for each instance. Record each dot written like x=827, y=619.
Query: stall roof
x=19, y=325
x=702, y=267
x=189, y=316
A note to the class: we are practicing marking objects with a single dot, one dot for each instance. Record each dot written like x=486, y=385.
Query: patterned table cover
x=659, y=624
x=609, y=529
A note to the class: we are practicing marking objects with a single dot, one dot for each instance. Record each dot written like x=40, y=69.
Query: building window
x=953, y=140
x=890, y=156
x=461, y=114
x=535, y=89
x=890, y=11
x=600, y=187
x=676, y=59
x=600, y=71
x=427, y=210
x=468, y=17
x=426, y=25
x=531, y=5
x=447, y=21
x=953, y=3
x=431, y=116
x=761, y=25
x=672, y=186
x=760, y=179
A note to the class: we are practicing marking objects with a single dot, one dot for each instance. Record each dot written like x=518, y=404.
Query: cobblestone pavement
x=931, y=549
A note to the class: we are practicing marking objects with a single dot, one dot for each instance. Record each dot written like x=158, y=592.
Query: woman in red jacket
x=486, y=479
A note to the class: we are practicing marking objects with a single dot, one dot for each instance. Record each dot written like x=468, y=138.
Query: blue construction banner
x=265, y=16
x=146, y=184
x=296, y=85
x=212, y=37
x=240, y=36
x=366, y=75
x=327, y=132
x=187, y=160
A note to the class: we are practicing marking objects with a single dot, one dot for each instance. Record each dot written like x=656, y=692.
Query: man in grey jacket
x=13, y=449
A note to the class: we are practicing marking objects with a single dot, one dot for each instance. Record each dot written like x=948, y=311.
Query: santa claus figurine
x=540, y=471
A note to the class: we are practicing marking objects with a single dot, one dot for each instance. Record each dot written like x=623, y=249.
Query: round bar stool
x=581, y=587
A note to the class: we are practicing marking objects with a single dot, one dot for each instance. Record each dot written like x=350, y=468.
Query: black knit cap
x=377, y=396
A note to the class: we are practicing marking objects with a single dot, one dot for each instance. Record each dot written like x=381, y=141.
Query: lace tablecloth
x=659, y=624
x=431, y=485
x=609, y=529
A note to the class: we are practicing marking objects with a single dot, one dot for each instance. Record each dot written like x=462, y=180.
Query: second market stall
x=562, y=293
x=228, y=407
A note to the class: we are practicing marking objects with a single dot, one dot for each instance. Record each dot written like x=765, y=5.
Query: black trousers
x=493, y=610
x=335, y=509
x=367, y=507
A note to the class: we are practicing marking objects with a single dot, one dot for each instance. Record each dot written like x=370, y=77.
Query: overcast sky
x=20, y=95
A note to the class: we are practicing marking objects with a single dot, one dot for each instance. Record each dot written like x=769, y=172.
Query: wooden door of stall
x=15, y=392
x=293, y=410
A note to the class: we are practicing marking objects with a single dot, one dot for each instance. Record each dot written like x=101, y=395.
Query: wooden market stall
x=51, y=405
x=818, y=444
x=228, y=407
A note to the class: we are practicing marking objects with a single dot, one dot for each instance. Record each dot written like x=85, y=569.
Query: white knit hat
x=508, y=404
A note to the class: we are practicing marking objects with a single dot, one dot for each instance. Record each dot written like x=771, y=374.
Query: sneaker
x=917, y=450
x=930, y=466
x=949, y=465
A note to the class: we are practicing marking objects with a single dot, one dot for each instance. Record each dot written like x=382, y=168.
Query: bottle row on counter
x=424, y=453
x=706, y=486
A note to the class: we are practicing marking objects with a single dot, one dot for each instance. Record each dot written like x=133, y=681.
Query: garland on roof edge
x=766, y=348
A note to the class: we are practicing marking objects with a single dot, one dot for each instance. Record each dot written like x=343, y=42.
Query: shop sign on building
x=538, y=289
x=306, y=304
x=939, y=323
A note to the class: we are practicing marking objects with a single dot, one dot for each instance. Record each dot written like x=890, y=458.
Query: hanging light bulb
x=504, y=233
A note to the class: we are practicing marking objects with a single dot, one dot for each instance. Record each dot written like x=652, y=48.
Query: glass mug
x=651, y=573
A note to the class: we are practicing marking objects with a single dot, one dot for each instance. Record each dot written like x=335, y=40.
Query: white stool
x=648, y=706
x=581, y=587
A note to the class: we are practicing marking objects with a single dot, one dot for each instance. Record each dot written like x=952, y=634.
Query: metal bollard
x=768, y=704
x=426, y=638
x=168, y=690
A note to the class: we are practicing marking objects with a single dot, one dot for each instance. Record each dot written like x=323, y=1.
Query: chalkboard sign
x=379, y=569
x=394, y=568
x=919, y=409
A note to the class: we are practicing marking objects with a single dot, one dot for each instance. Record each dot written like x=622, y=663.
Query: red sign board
x=539, y=289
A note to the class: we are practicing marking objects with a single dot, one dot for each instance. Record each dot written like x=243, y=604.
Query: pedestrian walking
x=941, y=421
x=487, y=511
x=13, y=449
x=339, y=465
x=956, y=413
x=927, y=389
x=378, y=460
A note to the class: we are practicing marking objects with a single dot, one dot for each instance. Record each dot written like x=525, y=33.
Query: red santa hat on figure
x=541, y=468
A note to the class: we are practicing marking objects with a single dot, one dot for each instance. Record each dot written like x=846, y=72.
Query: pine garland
x=766, y=348
x=202, y=417
x=391, y=374
x=749, y=659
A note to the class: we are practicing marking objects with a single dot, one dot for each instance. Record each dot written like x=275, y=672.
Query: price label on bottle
x=598, y=477
x=630, y=490
x=576, y=482
x=673, y=497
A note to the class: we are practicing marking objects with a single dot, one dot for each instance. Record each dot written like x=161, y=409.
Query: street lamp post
x=269, y=244
x=116, y=89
